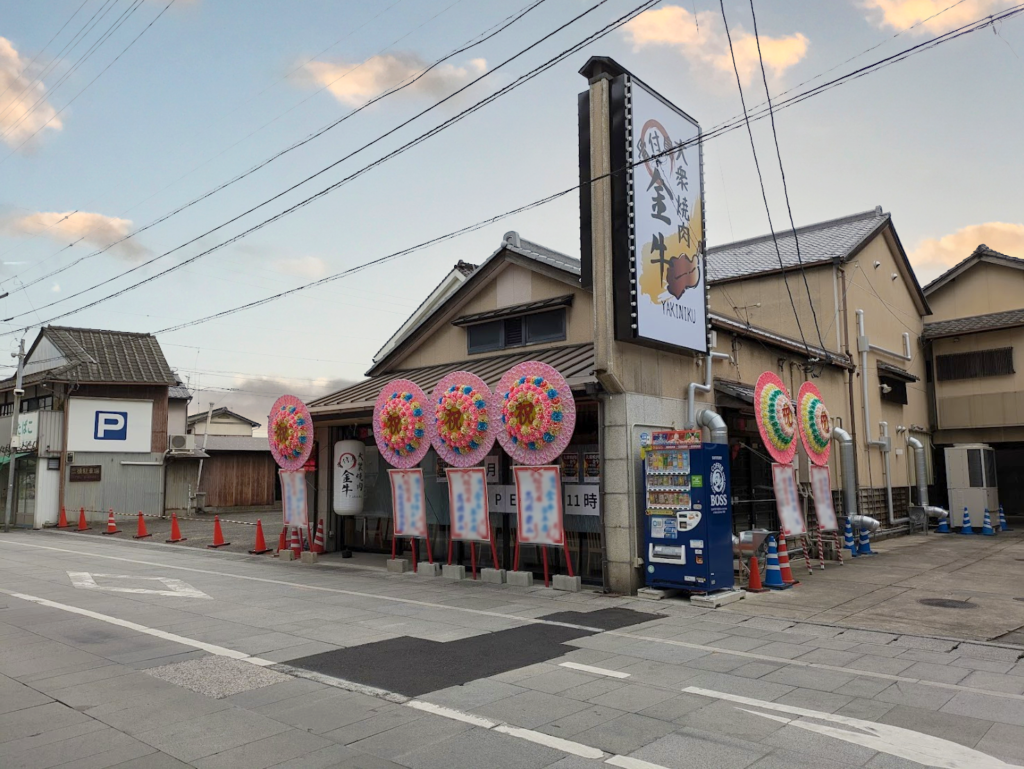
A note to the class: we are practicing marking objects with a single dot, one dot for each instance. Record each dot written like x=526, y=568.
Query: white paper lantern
x=348, y=477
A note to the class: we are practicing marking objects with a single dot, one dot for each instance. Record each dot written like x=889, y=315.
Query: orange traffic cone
x=62, y=522
x=175, y=531
x=784, y=568
x=111, y=524
x=754, y=583
x=142, y=533
x=318, y=540
x=218, y=535
x=83, y=525
x=261, y=545
x=296, y=543
x=282, y=541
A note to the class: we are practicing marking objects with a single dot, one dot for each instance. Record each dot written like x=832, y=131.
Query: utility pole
x=18, y=392
x=206, y=437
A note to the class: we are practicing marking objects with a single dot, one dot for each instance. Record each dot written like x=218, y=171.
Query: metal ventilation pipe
x=846, y=449
x=715, y=424
x=864, y=522
x=694, y=387
x=922, y=476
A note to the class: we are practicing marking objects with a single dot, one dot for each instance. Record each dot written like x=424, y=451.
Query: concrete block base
x=567, y=583
x=309, y=558
x=494, y=576
x=428, y=570
x=286, y=555
x=399, y=565
x=655, y=594
x=519, y=578
x=714, y=600
x=451, y=571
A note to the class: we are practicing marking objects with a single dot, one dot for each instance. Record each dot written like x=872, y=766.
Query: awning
x=895, y=372
x=741, y=392
x=574, y=361
x=6, y=458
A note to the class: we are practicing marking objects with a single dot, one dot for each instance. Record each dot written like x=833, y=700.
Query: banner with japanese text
x=821, y=491
x=408, y=502
x=467, y=504
x=787, y=500
x=539, y=508
x=293, y=498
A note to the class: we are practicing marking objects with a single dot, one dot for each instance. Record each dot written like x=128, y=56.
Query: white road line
x=220, y=651
x=894, y=740
x=592, y=669
x=175, y=587
x=632, y=763
x=549, y=741
x=452, y=713
x=539, y=621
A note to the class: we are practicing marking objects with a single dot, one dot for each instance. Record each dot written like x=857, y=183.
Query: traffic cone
x=754, y=582
x=986, y=525
x=943, y=527
x=784, y=568
x=142, y=534
x=296, y=543
x=175, y=531
x=848, y=542
x=865, y=543
x=966, y=527
x=111, y=524
x=82, y=523
x=1002, y=520
x=772, y=573
x=282, y=541
x=218, y=535
x=318, y=540
x=62, y=521
x=261, y=545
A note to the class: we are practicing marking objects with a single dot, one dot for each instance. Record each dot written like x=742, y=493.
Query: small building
x=222, y=421
x=977, y=324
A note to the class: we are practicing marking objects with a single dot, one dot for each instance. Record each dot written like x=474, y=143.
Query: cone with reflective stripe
x=754, y=582
x=218, y=535
x=865, y=543
x=848, y=542
x=784, y=568
x=943, y=527
x=111, y=524
x=986, y=525
x=1002, y=520
x=966, y=527
x=296, y=543
x=261, y=544
x=318, y=540
x=772, y=573
x=62, y=521
x=175, y=531
x=83, y=525
x=142, y=533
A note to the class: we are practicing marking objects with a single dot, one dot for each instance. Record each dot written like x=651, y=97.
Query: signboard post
x=409, y=510
x=539, y=513
x=470, y=517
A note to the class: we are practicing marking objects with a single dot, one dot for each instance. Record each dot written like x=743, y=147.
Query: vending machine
x=688, y=513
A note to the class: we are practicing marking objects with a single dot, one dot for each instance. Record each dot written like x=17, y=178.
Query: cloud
x=16, y=122
x=708, y=47
x=95, y=229
x=903, y=14
x=934, y=256
x=354, y=84
x=303, y=266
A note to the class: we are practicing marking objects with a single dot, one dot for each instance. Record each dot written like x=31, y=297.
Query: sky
x=114, y=114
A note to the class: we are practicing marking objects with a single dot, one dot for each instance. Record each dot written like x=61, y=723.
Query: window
x=6, y=409
x=974, y=468
x=36, y=404
x=893, y=390
x=548, y=326
x=969, y=365
x=990, y=468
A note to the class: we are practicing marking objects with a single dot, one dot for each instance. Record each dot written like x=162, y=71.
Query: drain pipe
x=715, y=424
x=694, y=388
x=887, y=468
x=922, y=478
x=846, y=454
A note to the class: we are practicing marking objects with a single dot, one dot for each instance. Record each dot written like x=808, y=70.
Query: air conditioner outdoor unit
x=181, y=444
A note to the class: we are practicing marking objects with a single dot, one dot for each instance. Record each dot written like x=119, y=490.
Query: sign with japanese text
x=539, y=496
x=570, y=462
x=787, y=500
x=676, y=439
x=581, y=499
x=591, y=467
x=467, y=503
x=85, y=473
x=293, y=498
x=408, y=502
x=821, y=491
x=349, y=477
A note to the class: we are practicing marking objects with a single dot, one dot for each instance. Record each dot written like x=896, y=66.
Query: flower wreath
x=532, y=412
x=462, y=420
x=778, y=417
x=815, y=423
x=401, y=423
x=290, y=431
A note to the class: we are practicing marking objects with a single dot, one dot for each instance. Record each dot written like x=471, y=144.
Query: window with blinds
x=970, y=365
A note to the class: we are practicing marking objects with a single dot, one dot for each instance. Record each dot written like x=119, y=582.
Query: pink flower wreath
x=464, y=430
x=290, y=432
x=400, y=424
x=537, y=413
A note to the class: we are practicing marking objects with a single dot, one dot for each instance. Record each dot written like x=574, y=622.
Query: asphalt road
x=128, y=654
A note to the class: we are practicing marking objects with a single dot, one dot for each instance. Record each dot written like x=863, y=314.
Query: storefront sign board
x=539, y=496
x=293, y=498
x=821, y=490
x=409, y=502
x=787, y=500
x=467, y=503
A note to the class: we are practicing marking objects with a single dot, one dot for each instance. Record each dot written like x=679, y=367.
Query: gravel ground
x=218, y=676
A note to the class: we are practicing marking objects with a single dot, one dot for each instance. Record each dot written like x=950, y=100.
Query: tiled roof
x=179, y=392
x=234, y=443
x=222, y=411
x=515, y=309
x=575, y=362
x=540, y=253
x=974, y=324
x=819, y=243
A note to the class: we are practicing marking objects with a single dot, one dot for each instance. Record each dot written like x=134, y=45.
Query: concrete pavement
x=262, y=663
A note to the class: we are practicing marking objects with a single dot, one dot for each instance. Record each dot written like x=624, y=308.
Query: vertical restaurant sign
x=293, y=497
x=408, y=502
x=348, y=477
x=787, y=500
x=666, y=251
x=467, y=501
x=539, y=496
x=821, y=491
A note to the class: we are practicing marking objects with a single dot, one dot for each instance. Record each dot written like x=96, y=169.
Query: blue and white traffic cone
x=966, y=527
x=1002, y=520
x=772, y=572
x=943, y=527
x=848, y=542
x=986, y=525
x=865, y=543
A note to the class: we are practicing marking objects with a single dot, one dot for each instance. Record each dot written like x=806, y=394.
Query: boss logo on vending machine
x=718, y=496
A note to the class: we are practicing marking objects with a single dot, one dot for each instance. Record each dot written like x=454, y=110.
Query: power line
x=400, y=150
x=760, y=179
x=39, y=53
x=487, y=35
